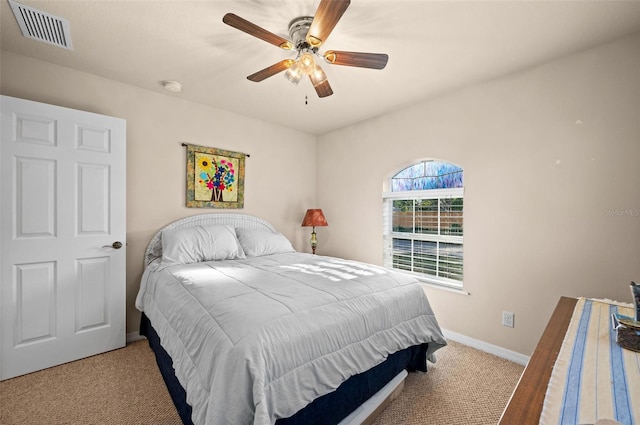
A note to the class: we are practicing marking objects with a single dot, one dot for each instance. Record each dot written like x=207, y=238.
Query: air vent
x=42, y=26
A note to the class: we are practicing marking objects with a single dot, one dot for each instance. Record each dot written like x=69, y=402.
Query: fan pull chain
x=306, y=101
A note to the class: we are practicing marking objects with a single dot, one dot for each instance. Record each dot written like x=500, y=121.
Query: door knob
x=115, y=245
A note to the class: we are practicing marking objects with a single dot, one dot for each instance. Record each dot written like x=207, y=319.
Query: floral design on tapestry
x=215, y=177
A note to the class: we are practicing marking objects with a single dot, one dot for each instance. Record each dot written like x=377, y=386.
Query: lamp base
x=314, y=240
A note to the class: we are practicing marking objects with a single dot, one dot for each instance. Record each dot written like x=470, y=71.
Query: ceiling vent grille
x=42, y=26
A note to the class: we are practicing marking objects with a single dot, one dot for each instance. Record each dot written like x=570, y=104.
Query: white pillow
x=200, y=243
x=256, y=243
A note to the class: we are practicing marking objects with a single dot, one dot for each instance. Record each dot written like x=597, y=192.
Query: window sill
x=443, y=288
x=426, y=282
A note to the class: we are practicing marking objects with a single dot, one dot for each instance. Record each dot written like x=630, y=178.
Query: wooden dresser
x=525, y=405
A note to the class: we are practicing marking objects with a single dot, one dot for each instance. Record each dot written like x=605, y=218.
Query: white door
x=62, y=275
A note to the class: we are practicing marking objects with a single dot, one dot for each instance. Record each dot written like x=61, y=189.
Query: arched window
x=423, y=222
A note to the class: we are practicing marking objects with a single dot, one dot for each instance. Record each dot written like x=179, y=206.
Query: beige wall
x=552, y=187
x=552, y=182
x=156, y=125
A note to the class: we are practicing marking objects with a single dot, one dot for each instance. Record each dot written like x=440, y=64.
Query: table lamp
x=314, y=217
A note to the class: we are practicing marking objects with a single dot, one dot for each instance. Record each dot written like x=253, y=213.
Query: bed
x=248, y=331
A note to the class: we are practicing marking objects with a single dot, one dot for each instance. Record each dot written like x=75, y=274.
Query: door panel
x=35, y=302
x=94, y=139
x=93, y=199
x=35, y=182
x=34, y=129
x=92, y=293
x=62, y=188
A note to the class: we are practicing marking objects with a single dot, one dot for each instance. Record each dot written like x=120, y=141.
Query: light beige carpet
x=124, y=387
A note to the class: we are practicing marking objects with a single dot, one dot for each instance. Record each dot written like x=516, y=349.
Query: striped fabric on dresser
x=593, y=378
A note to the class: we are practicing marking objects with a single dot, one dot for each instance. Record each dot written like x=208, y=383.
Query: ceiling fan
x=307, y=35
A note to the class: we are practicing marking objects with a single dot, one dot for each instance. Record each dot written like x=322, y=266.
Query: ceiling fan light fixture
x=318, y=76
x=306, y=62
x=294, y=73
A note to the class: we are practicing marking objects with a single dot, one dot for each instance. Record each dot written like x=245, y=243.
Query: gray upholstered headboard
x=154, y=249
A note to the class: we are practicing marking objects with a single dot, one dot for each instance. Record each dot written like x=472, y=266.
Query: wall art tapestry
x=215, y=178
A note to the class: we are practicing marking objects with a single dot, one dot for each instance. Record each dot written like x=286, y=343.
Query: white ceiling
x=433, y=47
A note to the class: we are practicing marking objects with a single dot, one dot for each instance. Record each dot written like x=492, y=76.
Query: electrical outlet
x=508, y=318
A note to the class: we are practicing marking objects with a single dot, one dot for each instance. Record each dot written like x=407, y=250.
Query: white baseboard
x=487, y=348
x=134, y=336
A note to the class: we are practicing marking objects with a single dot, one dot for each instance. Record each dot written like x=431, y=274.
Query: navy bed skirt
x=329, y=409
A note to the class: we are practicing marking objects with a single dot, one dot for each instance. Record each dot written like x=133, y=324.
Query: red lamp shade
x=314, y=217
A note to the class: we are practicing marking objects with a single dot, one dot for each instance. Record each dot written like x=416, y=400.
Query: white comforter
x=257, y=339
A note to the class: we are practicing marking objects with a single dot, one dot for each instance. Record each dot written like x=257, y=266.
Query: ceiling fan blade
x=362, y=60
x=327, y=16
x=270, y=71
x=256, y=31
x=323, y=89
